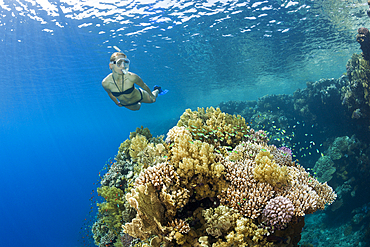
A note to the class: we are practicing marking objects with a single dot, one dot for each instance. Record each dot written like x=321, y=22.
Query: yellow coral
x=138, y=145
x=215, y=127
x=112, y=208
x=150, y=212
x=141, y=131
x=246, y=233
x=191, y=158
x=195, y=164
x=268, y=171
x=219, y=220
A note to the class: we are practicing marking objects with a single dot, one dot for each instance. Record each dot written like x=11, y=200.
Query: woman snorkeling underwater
x=120, y=84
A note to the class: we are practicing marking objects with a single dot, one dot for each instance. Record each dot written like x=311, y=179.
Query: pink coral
x=278, y=212
x=286, y=150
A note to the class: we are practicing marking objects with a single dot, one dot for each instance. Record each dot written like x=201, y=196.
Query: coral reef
x=363, y=37
x=218, y=128
x=214, y=182
x=320, y=100
x=356, y=92
x=345, y=166
x=326, y=125
x=329, y=139
x=118, y=180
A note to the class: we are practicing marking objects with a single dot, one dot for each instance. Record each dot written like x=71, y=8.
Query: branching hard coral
x=282, y=155
x=245, y=194
x=306, y=193
x=246, y=150
x=267, y=171
x=180, y=226
x=159, y=175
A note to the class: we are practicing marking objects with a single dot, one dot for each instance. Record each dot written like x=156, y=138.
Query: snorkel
x=122, y=62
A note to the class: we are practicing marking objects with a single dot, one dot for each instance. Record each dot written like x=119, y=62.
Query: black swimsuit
x=127, y=91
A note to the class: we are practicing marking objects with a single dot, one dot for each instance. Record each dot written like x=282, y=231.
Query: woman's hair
x=116, y=55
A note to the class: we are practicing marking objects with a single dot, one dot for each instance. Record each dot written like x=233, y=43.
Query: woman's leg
x=134, y=107
x=147, y=98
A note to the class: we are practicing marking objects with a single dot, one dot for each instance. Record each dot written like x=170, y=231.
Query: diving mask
x=122, y=63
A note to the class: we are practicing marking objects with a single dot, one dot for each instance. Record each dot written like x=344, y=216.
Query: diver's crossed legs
x=157, y=90
x=146, y=99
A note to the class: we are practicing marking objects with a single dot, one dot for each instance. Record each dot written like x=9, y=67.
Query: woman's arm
x=138, y=81
x=113, y=98
x=110, y=94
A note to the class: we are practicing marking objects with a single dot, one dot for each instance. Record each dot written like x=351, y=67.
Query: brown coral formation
x=356, y=92
x=363, y=37
x=214, y=179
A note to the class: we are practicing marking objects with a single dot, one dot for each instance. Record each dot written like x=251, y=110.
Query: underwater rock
x=363, y=37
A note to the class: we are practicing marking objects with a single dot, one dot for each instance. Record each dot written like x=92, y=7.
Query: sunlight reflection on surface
x=219, y=43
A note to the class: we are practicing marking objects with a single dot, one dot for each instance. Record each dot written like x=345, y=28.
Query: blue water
x=59, y=127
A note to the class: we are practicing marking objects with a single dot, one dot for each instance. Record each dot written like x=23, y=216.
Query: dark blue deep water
x=58, y=126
